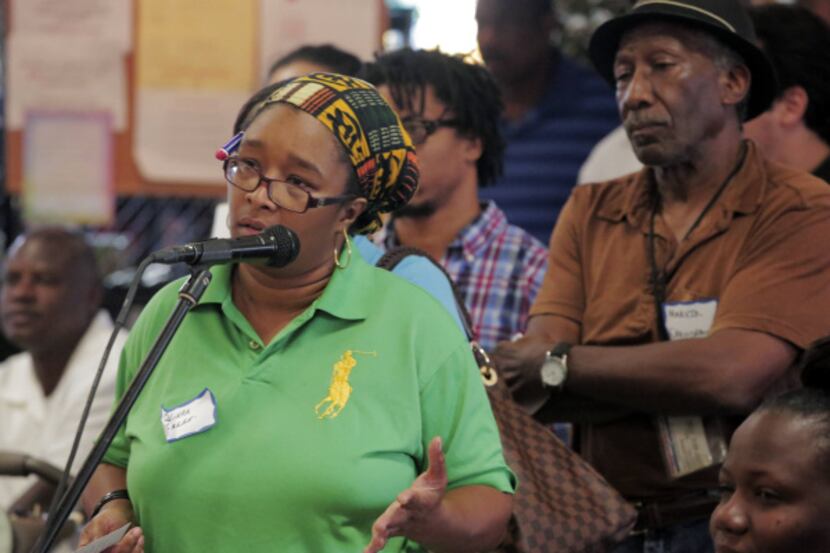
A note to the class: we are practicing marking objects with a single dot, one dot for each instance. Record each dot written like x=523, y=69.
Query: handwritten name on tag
x=691, y=319
x=192, y=417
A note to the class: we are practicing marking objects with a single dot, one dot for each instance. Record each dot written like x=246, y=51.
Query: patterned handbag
x=562, y=505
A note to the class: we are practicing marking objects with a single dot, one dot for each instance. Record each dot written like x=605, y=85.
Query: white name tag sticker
x=189, y=418
x=691, y=319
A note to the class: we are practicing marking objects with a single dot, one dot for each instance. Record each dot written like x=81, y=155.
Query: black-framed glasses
x=420, y=129
x=246, y=175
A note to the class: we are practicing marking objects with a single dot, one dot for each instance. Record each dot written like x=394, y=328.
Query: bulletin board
x=134, y=96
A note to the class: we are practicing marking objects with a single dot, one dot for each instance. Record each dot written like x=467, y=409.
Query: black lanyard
x=659, y=278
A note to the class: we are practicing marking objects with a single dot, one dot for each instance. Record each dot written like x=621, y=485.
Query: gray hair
x=724, y=58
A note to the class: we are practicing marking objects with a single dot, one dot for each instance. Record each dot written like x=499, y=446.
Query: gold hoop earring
x=347, y=244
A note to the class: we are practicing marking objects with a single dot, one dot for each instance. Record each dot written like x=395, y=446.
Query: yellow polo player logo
x=339, y=389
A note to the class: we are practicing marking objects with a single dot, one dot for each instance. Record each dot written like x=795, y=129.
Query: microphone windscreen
x=287, y=245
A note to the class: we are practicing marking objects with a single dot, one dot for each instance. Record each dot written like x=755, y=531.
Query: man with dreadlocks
x=451, y=109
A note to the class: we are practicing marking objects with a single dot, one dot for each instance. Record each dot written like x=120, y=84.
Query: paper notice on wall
x=67, y=168
x=195, y=67
x=178, y=133
x=353, y=25
x=196, y=45
x=70, y=73
x=107, y=20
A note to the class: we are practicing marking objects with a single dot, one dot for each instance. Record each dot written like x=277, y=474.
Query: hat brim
x=606, y=40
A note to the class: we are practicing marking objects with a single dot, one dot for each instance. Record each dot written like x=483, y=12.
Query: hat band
x=707, y=13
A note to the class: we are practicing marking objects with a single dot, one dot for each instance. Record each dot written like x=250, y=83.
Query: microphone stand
x=189, y=296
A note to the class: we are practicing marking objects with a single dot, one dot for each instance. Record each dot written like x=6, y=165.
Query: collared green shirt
x=315, y=433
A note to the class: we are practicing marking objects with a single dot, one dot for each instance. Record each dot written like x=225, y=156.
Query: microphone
x=277, y=245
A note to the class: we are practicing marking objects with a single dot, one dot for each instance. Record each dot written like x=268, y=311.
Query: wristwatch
x=554, y=370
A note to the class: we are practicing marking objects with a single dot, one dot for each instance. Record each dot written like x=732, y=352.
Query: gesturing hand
x=409, y=515
x=112, y=517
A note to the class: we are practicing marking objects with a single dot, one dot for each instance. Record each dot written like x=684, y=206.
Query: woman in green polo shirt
x=323, y=406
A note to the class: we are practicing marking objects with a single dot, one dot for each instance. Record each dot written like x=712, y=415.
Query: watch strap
x=560, y=349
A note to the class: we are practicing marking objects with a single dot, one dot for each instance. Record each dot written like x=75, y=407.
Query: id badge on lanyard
x=690, y=443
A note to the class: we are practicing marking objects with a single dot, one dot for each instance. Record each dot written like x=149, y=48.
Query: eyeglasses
x=246, y=175
x=420, y=129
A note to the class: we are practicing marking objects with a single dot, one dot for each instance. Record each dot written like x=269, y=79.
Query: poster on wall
x=71, y=73
x=171, y=76
x=110, y=21
x=190, y=81
x=67, y=168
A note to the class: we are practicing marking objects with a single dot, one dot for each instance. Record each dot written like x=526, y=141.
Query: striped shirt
x=497, y=268
x=546, y=149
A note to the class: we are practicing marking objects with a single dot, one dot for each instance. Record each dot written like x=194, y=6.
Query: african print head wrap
x=378, y=147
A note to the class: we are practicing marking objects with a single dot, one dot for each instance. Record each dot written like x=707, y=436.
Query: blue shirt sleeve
x=419, y=271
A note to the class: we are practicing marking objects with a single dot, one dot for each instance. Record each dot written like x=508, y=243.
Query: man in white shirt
x=50, y=308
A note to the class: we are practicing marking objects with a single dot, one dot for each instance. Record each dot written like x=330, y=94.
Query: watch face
x=553, y=371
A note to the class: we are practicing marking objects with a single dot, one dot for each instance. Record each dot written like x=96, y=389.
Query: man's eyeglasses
x=246, y=175
x=420, y=129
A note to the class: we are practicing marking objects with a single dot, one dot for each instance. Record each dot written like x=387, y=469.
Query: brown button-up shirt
x=761, y=253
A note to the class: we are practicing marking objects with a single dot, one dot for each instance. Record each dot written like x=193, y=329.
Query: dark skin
x=448, y=181
x=678, y=108
x=47, y=302
x=48, y=299
x=114, y=514
x=287, y=143
x=268, y=297
x=774, y=486
x=515, y=44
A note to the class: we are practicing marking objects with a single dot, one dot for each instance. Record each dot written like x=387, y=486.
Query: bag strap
x=394, y=256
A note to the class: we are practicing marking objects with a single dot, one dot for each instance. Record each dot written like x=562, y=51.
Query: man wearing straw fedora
x=680, y=296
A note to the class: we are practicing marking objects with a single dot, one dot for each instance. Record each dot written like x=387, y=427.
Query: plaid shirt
x=498, y=269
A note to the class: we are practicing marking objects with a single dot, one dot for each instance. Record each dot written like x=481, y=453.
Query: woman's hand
x=410, y=514
x=113, y=516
